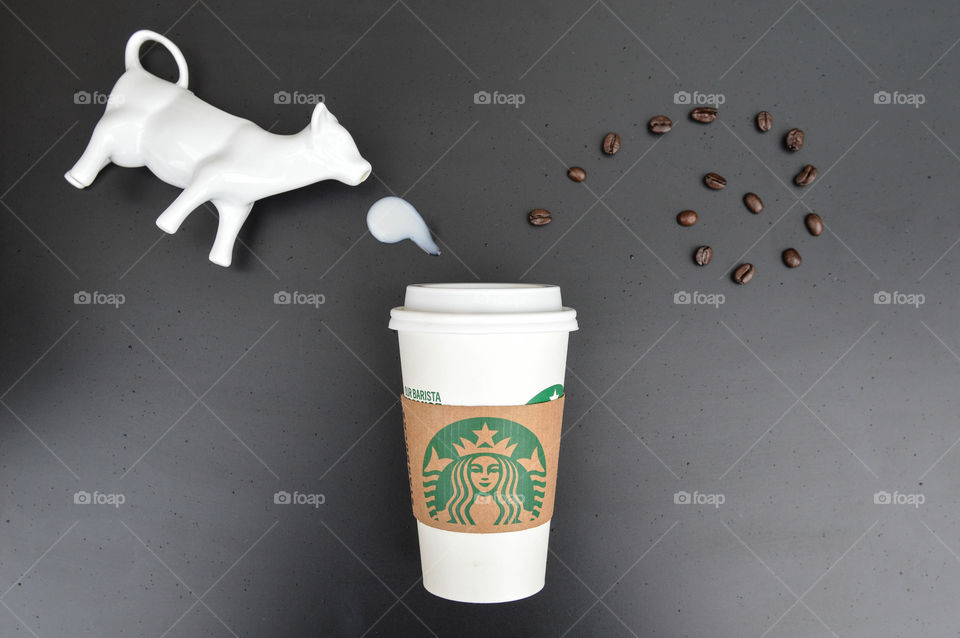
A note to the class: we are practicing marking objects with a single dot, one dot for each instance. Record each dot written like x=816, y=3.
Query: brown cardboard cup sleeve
x=482, y=469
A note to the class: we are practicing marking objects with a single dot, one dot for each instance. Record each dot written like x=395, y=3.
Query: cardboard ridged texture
x=482, y=469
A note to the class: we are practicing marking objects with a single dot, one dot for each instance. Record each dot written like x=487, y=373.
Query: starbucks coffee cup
x=483, y=369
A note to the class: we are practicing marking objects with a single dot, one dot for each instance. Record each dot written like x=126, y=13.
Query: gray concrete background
x=798, y=399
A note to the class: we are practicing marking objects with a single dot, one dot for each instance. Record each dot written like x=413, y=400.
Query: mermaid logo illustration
x=484, y=472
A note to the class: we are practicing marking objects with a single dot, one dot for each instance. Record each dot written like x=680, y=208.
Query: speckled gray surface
x=797, y=402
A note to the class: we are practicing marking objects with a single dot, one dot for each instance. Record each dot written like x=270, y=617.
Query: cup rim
x=403, y=319
x=483, y=308
x=473, y=286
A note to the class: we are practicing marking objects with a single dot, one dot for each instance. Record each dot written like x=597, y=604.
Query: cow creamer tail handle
x=132, y=53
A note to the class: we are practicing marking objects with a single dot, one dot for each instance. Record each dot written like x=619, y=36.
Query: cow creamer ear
x=321, y=116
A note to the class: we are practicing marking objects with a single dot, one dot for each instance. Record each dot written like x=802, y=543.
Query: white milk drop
x=392, y=219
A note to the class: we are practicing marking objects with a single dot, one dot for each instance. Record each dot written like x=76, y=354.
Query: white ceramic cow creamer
x=212, y=155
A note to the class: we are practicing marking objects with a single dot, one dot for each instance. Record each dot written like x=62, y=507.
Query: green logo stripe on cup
x=552, y=393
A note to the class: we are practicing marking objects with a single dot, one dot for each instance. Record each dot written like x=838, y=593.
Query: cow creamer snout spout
x=363, y=173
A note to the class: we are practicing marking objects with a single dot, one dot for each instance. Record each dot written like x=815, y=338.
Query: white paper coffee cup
x=477, y=344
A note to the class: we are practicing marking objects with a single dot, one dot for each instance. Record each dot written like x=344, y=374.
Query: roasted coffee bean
x=744, y=273
x=704, y=114
x=540, y=217
x=753, y=202
x=794, y=139
x=764, y=121
x=814, y=224
x=714, y=181
x=660, y=124
x=703, y=256
x=791, y=258
x=806, y=175
x=611, y=143
x=576, y=173
x=687, y=218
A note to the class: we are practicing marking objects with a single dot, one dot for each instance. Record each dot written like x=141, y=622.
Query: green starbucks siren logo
x=484, y=471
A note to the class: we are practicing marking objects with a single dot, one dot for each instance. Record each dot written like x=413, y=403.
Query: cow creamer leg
x=96, y=155
x=232, y=217
x=170, y=220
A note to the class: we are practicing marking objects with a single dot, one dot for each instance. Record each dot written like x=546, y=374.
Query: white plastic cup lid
x=483, y=308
